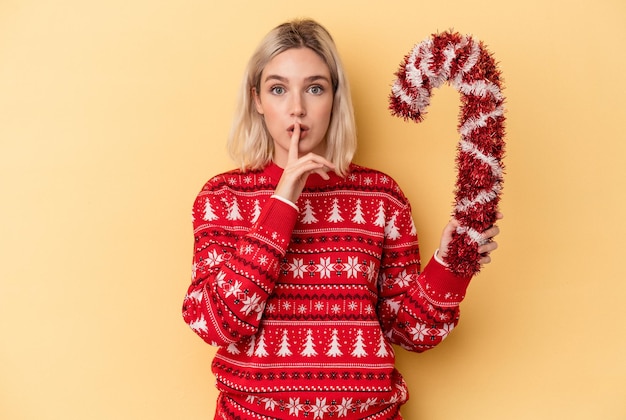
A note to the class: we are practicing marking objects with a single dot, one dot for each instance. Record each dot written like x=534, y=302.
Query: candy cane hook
x=471, y=70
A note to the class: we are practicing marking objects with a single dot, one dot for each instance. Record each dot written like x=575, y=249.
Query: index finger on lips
x=294, y=146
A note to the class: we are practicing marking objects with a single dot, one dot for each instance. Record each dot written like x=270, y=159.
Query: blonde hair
x=249, y=142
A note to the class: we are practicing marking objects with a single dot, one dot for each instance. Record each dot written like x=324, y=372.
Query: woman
x=306, y=266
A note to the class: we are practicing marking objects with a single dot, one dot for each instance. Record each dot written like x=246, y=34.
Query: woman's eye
x=277, y=90
x=316, y=90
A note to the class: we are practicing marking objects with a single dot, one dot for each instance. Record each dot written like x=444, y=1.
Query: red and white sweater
x=305, y=305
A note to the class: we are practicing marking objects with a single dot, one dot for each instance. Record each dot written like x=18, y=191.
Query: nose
x=298, y=108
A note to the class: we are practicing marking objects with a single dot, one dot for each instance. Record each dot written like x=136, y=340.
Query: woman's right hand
x=299, y=168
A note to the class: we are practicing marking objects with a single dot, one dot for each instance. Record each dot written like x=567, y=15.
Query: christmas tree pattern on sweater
x=306, y=304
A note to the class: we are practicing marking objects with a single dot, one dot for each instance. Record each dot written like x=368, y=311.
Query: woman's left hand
x=485, y=249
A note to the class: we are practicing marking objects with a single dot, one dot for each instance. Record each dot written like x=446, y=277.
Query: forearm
x=234, y=275
x=429, y=308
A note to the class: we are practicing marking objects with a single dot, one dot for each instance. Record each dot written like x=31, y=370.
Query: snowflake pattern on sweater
x=306, y=304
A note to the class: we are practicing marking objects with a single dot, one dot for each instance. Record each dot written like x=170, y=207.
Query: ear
x=257, y=101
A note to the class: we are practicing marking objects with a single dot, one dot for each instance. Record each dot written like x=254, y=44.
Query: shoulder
x=232, y=195
x=364, y=170
x=374, y=180
x=239, y=180
x=221, y=180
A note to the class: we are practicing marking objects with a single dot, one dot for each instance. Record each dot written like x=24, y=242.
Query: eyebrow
x=285, y=80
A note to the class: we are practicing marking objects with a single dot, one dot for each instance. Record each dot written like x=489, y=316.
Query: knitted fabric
x=305, y=305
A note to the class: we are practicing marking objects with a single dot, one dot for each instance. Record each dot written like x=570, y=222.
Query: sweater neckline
x=314, y=180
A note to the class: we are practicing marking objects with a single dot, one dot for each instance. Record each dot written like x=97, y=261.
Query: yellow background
x=113, y=114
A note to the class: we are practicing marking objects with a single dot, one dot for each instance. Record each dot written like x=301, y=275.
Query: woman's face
x=296, y=88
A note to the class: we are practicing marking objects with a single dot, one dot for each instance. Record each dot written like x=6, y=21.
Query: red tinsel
x=470, y=69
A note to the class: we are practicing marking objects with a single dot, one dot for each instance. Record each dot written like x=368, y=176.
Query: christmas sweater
x=306, y=300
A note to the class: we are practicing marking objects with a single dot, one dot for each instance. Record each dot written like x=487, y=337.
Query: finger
x=491, y=232
x=294, y=146
x=451, y=227
x=488, y=248
x=307, y=167
x=323, y=172
x=486, y=259
x=326, y=164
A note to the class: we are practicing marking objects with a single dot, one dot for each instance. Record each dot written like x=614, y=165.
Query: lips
x=303, y=130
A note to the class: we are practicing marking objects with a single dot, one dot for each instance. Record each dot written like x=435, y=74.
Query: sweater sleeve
x=417, y=309
x=234, y=268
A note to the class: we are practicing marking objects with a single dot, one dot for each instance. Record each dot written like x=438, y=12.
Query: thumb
x=446, y=236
